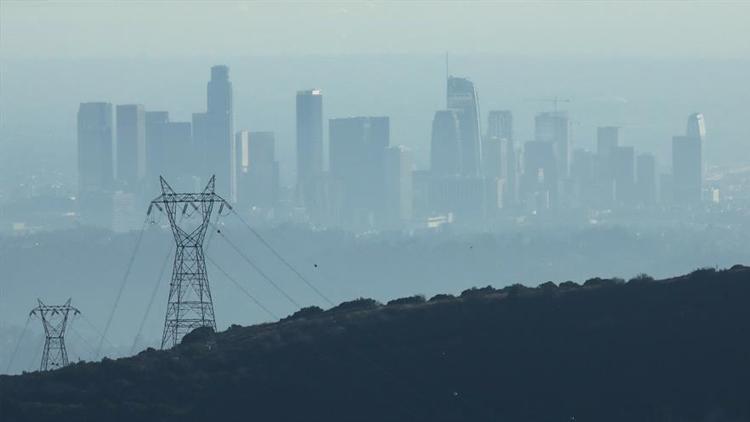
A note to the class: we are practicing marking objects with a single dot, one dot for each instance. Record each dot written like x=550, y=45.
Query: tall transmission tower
x=190, y=305
x=55, y=320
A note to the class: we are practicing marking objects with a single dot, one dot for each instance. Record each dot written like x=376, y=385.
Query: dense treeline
x=607, y=350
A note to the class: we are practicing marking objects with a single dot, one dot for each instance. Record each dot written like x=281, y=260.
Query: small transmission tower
x=190, y=305
x=55, y=321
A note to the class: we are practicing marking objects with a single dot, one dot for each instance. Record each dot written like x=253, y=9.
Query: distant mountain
x=608, y=350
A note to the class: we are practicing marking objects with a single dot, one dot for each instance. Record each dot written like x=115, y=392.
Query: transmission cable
x=18, y=345
x=122, y=287
x=151, y=300
x=283, y=260
x=256, y=268
x=239, y=286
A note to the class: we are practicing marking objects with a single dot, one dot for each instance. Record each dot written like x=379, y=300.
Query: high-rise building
x=645, y=165
x=156, y=158
x=95, y=162
x=553, y=127
x=696, y=127
x=398, y=186
x=462, y=97
x=257, y=169
x=357, y=152
x=686, y=169
x=309, y=148
x=500, y=126
x=95, y=138
x=213, y=134
x=540, y=175
x=445, y=147
x=623, y=170
x=131, y=146
x=607, y=139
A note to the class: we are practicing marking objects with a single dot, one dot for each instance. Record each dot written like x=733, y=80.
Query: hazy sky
x=188, y=28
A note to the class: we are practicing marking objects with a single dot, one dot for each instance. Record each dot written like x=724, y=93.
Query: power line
x=18, y=344
x=151, y=300
x=122, y=287
x=283, y=260
x=257, y=269
x=239, y=286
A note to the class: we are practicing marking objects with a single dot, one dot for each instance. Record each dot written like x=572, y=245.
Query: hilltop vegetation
x=606, y=350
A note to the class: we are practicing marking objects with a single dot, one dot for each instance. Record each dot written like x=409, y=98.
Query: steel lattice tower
x=190, y=305
x=55, y=321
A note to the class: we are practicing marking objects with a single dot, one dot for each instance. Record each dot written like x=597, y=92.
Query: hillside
x=645, y=350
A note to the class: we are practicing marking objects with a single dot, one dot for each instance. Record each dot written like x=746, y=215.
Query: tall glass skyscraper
x=95, y=138
x=309, y=148
x=553, y=127
x=214, y=136
x=445, y=147
x=462, y=97
x=131, y=146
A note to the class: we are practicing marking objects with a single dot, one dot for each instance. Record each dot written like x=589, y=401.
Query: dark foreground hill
x=645, y=350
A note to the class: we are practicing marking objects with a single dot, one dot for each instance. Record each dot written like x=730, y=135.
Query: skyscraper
x=257, y=169
x=462, y=97
x=213, y=133
x=95, y=163
x=445, y=147
x=540, y=177
x=696, y=127
x=398, y=186
x=645, y=165
x=357, y=152
x=156, y=123
x=553, y=127
x=687, y=161
x=131, y=146
x=95, y=138
x=309, y=148
x=623, y=166
x=500, y=135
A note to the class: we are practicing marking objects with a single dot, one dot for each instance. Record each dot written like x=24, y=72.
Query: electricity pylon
x=55, y=321
x=190, y=305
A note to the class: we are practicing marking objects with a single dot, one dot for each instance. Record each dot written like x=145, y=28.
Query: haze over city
x=173, y=170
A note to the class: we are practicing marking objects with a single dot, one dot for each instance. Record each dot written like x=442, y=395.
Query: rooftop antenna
x=190, y=305
x=55, y=320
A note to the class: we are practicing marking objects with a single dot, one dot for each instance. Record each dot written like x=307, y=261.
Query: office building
x=623, y=172
x=131, y=146
x=645, y=165
x=357, y=153
x=696, y=127
x=309, y=148
x=445, y=146
x=540, y=176
x=462, y=98
x=257, y=170
x=553, y=128
x=398, y=186
x=500, y=126
x=213, y=134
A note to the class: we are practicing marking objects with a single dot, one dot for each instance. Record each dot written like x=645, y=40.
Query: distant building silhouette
x=500, y=126
x=131, y=146
x=623, y=166
x=462, y=97
x=553, y=127
x=310, y=149
x=357, y=153
x=258, y=170
x=646, y=181
x=398, y=186
x=445, y=147
x=687, y=161
x=213, y=133
x=540, y=177
x=95, y=163
x=696, y=127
